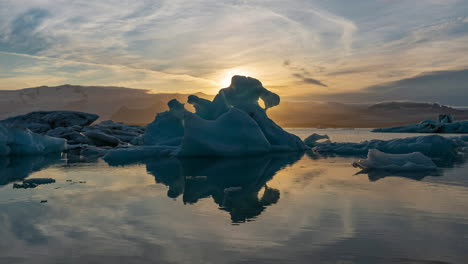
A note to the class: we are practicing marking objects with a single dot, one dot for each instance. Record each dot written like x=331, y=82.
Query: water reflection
x=237, y=185
x=375, y=175
x=17, y=168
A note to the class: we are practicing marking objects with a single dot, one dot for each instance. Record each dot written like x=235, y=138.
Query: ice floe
x=17, y=141
x=433, y=146
x=43, y=121
x=378, y=160
x=445, y=124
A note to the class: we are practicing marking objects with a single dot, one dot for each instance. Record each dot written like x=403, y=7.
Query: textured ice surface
x=312, y=140
x=101, y=139
x=16, y=141
x=71, y=134
x=279, y=139
x=433, y=146
x=232, y=134
x=166, y=129
x=233, y=124
x=43, y=121
x=244, y=93
x=445, y=124
x=395, y=162
x=124, y=133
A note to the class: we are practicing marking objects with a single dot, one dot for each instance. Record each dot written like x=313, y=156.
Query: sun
x=225, y=79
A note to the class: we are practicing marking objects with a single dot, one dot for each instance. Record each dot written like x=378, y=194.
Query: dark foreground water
x=291, y=208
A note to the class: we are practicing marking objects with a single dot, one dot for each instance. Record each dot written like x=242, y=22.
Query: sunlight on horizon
x=227, y=75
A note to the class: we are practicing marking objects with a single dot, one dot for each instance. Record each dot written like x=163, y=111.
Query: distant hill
x=331, y=114
x=106, y=101
x=445, y=87
x=139, y=106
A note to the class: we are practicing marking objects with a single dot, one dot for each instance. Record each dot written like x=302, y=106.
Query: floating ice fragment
x=433, y=146
x=312, y=139
x=43, y=121
x=39, y=180
x=445, y=124
x=395, y=162
x=16, y=141
x=32, y=183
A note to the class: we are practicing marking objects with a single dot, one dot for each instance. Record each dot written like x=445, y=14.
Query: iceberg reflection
x=16, y=168
x=375, y=175
x=237, y=185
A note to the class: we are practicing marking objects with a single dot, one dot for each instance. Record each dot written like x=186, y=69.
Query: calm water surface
x=292, y=208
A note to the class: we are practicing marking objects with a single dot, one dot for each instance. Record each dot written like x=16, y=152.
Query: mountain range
x=139, y=106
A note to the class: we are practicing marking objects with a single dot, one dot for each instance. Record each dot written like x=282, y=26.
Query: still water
x=291, y=208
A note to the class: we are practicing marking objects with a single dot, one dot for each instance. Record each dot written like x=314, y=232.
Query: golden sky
x=294, y=47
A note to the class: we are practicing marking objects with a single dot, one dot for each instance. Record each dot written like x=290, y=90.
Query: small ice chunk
x=446, y=118
x=311, y=140
x=39, y=180
x=24, y=185
x=32, y=183
x=379, y=160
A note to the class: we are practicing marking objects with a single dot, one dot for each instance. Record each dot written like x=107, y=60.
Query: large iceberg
x=17, y=141
x=167, y=129
x=233, y=133
x=233, y=124
x=378, y=160
x=445, y=124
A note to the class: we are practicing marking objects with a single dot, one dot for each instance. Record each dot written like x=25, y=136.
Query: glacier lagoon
x=282, y=208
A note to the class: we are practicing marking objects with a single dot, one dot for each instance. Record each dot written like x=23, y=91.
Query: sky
x=294, y=47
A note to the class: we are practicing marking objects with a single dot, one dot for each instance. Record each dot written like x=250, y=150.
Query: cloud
x=23, y=34
x=163, y=44
x=304, y=74
x=309, y=80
